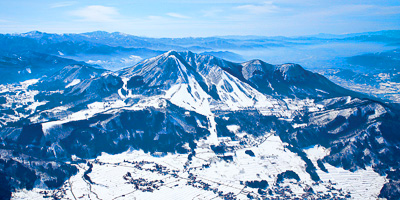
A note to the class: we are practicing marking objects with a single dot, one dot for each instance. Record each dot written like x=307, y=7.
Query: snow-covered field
x=20, y=100
x=135, y=174
x=383, y=89
x=362, y=184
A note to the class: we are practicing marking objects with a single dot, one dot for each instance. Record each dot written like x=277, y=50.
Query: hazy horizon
x=144, y=36
x=176, y=18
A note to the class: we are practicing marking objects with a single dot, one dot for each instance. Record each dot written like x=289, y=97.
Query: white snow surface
x=111, y=175
x=73, y=82
x=361, y=184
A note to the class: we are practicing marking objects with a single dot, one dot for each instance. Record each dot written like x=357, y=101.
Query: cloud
x=351, y=11
x=5, y=21
x=96, y=13
x=211, y=12
x=385, y=10
x=177, y=15
x=62, y=4
x=265, y=7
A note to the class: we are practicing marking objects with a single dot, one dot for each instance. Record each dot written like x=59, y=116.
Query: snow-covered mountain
x=26, y=65
x=186, y=125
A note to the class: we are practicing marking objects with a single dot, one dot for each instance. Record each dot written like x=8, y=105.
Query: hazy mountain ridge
x=18, y=67
x=374, y=73
x=225, y=42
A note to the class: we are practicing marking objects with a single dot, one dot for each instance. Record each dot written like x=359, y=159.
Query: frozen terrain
x=188, y=126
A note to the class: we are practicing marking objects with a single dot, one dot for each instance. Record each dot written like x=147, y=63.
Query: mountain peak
x=97, y=33
x=174, y=67
x=160, y=72
x=291, y=66
x=171, y=53
x=255, y=67
x=255, y=61
x=293, y=72
x=33, y=34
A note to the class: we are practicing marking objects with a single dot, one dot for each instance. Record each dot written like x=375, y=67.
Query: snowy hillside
x=189, y=126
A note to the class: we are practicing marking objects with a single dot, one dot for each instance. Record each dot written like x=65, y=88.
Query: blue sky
x=178, y=18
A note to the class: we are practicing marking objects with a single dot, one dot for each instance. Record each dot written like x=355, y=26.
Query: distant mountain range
x=116, y=39
x=118, y=50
